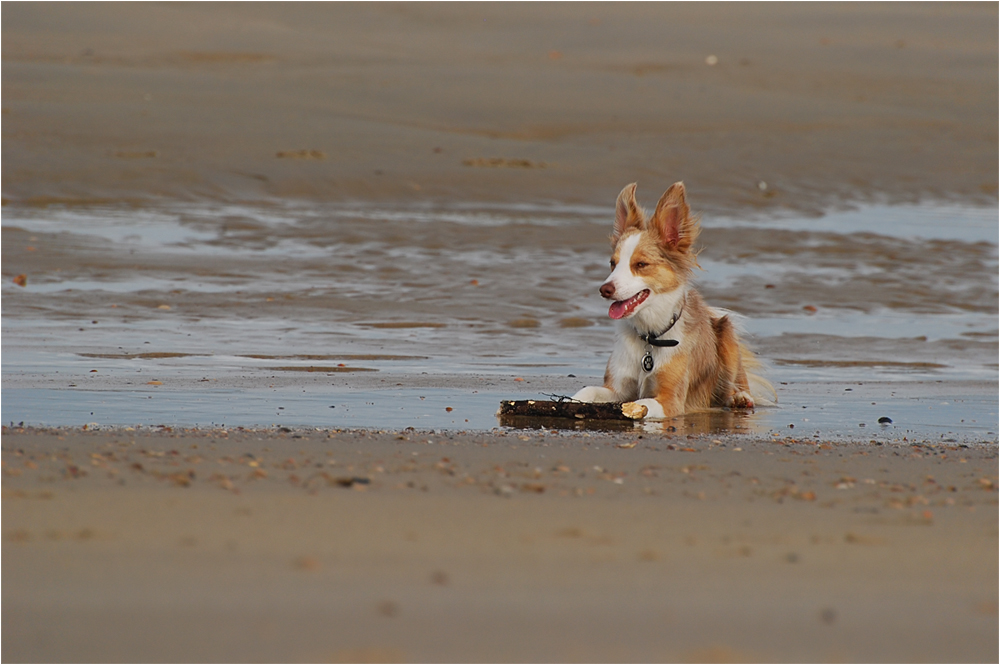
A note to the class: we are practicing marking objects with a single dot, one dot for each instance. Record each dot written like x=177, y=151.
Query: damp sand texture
x=412, y=546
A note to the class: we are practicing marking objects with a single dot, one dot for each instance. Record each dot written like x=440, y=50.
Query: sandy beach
x=412, y=546
x=304, y=227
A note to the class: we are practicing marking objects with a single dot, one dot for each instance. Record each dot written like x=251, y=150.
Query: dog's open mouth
x=622, y=308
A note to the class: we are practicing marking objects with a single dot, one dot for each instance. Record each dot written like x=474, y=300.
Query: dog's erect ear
x=627, y=213
x=672, y=220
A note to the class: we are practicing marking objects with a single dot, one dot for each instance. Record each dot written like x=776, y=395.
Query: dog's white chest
x=639, y=361
x=647, y=377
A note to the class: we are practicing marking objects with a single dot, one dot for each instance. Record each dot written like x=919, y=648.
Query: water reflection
x=709, y=422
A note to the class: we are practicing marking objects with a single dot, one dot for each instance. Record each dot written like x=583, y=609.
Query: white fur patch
x=626, y=284
x=595, y=394
x=653, y=314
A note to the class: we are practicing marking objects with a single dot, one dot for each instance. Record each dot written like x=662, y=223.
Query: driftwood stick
x=551, y=409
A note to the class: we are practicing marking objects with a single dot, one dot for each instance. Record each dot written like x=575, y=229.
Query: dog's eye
x=640, y=265
x=613, y=264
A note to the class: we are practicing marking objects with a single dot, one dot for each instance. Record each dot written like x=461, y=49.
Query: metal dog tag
x=647, y=362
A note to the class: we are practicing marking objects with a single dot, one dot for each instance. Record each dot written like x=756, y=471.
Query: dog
x=673, y=354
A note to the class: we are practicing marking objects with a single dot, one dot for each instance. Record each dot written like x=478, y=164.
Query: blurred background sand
x=825, y=103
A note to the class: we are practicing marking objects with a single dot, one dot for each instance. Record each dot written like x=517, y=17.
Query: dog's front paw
x=634, y=410
x=649, y=409
x=594, y=394
x=742, y=400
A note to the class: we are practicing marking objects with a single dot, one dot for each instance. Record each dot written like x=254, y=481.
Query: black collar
x=652, y=340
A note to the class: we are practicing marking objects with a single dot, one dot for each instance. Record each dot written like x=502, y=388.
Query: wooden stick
x=551, y=409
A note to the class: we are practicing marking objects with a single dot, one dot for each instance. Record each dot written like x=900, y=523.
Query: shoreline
x=840, y=405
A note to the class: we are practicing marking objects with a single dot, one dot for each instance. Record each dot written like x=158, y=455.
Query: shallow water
x=963, y=414
x=879, y=295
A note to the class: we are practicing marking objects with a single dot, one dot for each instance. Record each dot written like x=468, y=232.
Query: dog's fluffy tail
x=761, y=390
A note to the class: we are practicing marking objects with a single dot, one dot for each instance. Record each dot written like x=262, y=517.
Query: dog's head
x=652, y=255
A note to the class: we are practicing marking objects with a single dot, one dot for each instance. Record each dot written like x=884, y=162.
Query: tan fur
x=709, y=372
x=709, y=368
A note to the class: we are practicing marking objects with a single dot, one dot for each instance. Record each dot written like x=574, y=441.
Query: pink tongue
x=623, y=308
x=618, y=309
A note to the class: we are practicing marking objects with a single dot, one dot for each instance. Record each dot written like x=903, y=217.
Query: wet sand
x=305, y=545
x=490, y=546
x=827, y=104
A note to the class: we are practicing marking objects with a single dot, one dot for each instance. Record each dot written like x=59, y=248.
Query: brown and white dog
x=673, y=354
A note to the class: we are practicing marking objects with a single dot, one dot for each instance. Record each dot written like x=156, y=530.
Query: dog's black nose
x=608, y=290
